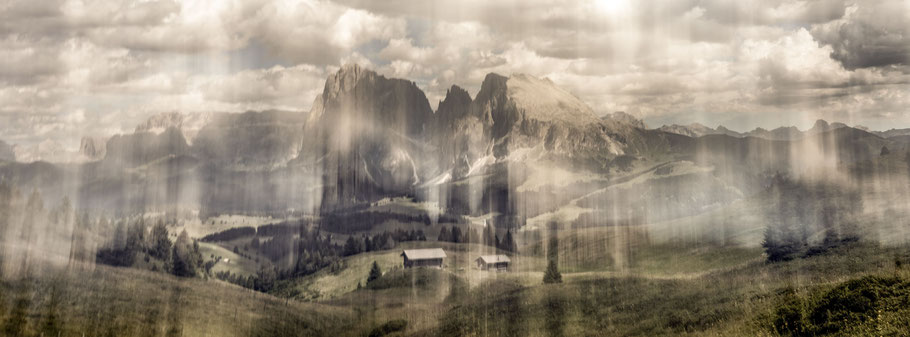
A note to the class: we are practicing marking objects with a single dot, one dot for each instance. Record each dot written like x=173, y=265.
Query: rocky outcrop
x=621, y=117
x=365, y=134
x=525, y=112
x=693, y=130
x=144, y=147
x=92, y=148
x=251, y=140
x=189, y=124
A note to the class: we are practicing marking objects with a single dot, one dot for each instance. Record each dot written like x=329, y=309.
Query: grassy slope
x=126, y=302
x=325, y=284
x=230, y=262
x=735, y=302
x=729, y=298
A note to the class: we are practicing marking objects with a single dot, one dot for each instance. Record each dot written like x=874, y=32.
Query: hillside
x=125, y=302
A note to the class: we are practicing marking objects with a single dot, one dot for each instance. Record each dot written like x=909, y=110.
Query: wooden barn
x=493, y=262
x=431, y=257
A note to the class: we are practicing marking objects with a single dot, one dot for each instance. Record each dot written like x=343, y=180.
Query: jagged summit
x=821, y=124
x=543, y=100
x=621, y=117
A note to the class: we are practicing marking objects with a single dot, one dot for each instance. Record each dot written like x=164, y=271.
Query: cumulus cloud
x=75, y=67
x=869, y=35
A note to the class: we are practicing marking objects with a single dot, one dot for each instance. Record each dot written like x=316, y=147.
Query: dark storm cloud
x=872, y=35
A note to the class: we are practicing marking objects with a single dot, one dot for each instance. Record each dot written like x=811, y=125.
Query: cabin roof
x=424, y=254
x=494, y=259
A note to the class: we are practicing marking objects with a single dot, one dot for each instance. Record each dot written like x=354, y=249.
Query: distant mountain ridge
x=518, y=145
x=780, y=133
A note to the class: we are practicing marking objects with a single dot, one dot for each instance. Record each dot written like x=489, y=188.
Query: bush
x=849, y=308
x=389, y=327
x=790, y=315
x=858, y=301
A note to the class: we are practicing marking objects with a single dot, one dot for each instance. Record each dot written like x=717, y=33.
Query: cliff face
x=523, y=112
x=144, y=147
x=365, y=134
x=250, y=140
x=93, y=148
x=189, y=124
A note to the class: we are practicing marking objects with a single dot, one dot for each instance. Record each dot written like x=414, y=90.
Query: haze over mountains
x=781, y=133
x=521, y=147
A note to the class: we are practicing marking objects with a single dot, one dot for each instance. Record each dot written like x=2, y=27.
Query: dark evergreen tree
x=368, y=244
x=488, y=236
x=351, y=247
x=457, y=237
x=552, y=274
x=508, y=243
x=184, y=263
x=160, y=246
x=444, y=235
x=375, y=273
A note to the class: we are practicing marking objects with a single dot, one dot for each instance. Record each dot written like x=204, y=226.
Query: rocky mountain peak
x=624, y=118
x=543, y=100
x=93, y=148
x=820, y=125
x=345, y=79
x=188, y=123
x=455, y=105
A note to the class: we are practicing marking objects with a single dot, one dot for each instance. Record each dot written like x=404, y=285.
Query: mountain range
x=781, y=133
x=522, y=148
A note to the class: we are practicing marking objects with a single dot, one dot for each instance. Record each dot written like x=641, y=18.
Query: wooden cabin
x=432, y=257
x=493, y=262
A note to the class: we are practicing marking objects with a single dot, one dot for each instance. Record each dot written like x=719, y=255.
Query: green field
x=664, y=289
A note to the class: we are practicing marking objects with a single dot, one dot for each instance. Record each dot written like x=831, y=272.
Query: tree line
x=489, y=237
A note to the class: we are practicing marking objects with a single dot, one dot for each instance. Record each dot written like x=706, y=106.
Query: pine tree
x=457, y=237
x=444, y=235
x=508, y=243
x=488, y=236
x=351, y=247
x=552, y=275
x=160, y=243
x=183, y=260
x=375, y=273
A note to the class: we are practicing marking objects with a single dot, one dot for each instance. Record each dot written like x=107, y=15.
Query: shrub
x=858, y=301
x=790, y=314
x=389, y=327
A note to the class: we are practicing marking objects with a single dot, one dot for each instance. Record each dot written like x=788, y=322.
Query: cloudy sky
x=82, y=67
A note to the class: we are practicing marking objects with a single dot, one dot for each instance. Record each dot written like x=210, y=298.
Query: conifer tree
x=375, y=273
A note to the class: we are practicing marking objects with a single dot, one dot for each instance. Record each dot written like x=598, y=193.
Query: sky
x=73, y=68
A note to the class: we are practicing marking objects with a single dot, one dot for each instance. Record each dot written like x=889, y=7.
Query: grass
x=733, y=302
x=111, y=301
x=732, y=294
x=231, y=262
